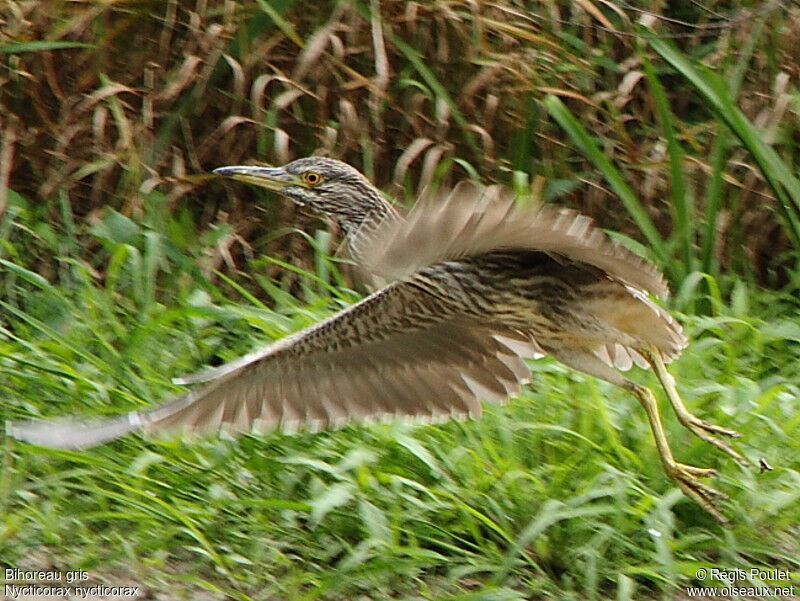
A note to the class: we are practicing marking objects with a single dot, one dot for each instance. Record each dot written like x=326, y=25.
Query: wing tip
x=70, y=434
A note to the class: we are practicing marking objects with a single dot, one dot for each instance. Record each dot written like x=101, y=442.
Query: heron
x=471, y=282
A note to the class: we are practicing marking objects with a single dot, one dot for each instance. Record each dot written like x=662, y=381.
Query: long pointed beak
x=272, y=178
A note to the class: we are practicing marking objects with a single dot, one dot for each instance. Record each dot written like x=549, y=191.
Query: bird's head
x=326, y=186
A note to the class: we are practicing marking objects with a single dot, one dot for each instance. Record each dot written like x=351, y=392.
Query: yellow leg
x=685, y=476
x=699, y=427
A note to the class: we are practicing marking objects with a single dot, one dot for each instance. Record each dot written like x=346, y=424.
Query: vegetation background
x=122, y=264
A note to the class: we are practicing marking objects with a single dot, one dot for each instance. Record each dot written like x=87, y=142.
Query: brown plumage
x=475, y=283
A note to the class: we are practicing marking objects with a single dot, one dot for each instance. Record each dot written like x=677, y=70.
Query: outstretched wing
x=395, y=353
x=473, y=219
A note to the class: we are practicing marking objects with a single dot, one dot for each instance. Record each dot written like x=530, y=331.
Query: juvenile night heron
x=476, y=283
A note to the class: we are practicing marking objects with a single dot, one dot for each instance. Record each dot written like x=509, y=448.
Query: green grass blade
x=682, y=210
x=418, y=62
x=40, y=46
x=776, y=172
x=30, y=277
x=285, y=26
x=584, y=142
x=713, y=202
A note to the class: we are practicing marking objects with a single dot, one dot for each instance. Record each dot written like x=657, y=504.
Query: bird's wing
x=473, y=219
x=392, y=354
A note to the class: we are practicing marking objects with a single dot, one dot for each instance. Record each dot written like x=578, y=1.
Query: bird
x=467, y=284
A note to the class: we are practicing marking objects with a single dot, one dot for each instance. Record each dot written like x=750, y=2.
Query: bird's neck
x=360, y=229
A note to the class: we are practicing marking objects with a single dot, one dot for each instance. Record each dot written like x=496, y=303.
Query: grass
x=120, y=268
x=557, y=495
x=446, y=89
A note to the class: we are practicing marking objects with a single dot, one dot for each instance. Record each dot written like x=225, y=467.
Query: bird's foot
x=705, y=431
x=696, y=422
x=687, y=477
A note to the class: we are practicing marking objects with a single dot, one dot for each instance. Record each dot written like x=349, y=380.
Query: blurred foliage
x=104, y=103
x=559, y=495
x=123, y=263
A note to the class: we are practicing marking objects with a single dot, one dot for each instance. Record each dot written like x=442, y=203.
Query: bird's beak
x=271, y=178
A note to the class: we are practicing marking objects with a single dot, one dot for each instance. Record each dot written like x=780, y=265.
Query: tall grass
x=409, y=92
x=560, y=493
x=680, y=253
x=121, y=266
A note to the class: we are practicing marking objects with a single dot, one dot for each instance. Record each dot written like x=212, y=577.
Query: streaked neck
x=358, y=232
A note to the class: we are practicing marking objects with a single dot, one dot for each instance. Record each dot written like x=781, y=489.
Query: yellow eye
x=312, y=178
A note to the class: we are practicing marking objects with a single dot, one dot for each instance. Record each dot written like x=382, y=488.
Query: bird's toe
x=687, y=477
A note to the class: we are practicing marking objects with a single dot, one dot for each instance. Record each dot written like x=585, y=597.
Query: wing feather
x=372, y=360
x=471, y=220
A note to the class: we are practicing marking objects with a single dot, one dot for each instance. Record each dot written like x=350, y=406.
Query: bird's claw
x=687, y=478
x=705, y=431
x=715, y=429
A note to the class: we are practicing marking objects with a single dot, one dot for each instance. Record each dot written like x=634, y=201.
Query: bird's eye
x=312, y=178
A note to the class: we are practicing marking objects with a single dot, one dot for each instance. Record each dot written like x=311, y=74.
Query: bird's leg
x=699, y=427
x=685, y=476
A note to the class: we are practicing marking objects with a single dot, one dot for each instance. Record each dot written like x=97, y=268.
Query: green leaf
x=418, y=62
x=785, y=330
x=334, y=496
x=585, y=144
x=41, y=45
x=115, y=227
x=682, y=210
x=713, y=90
